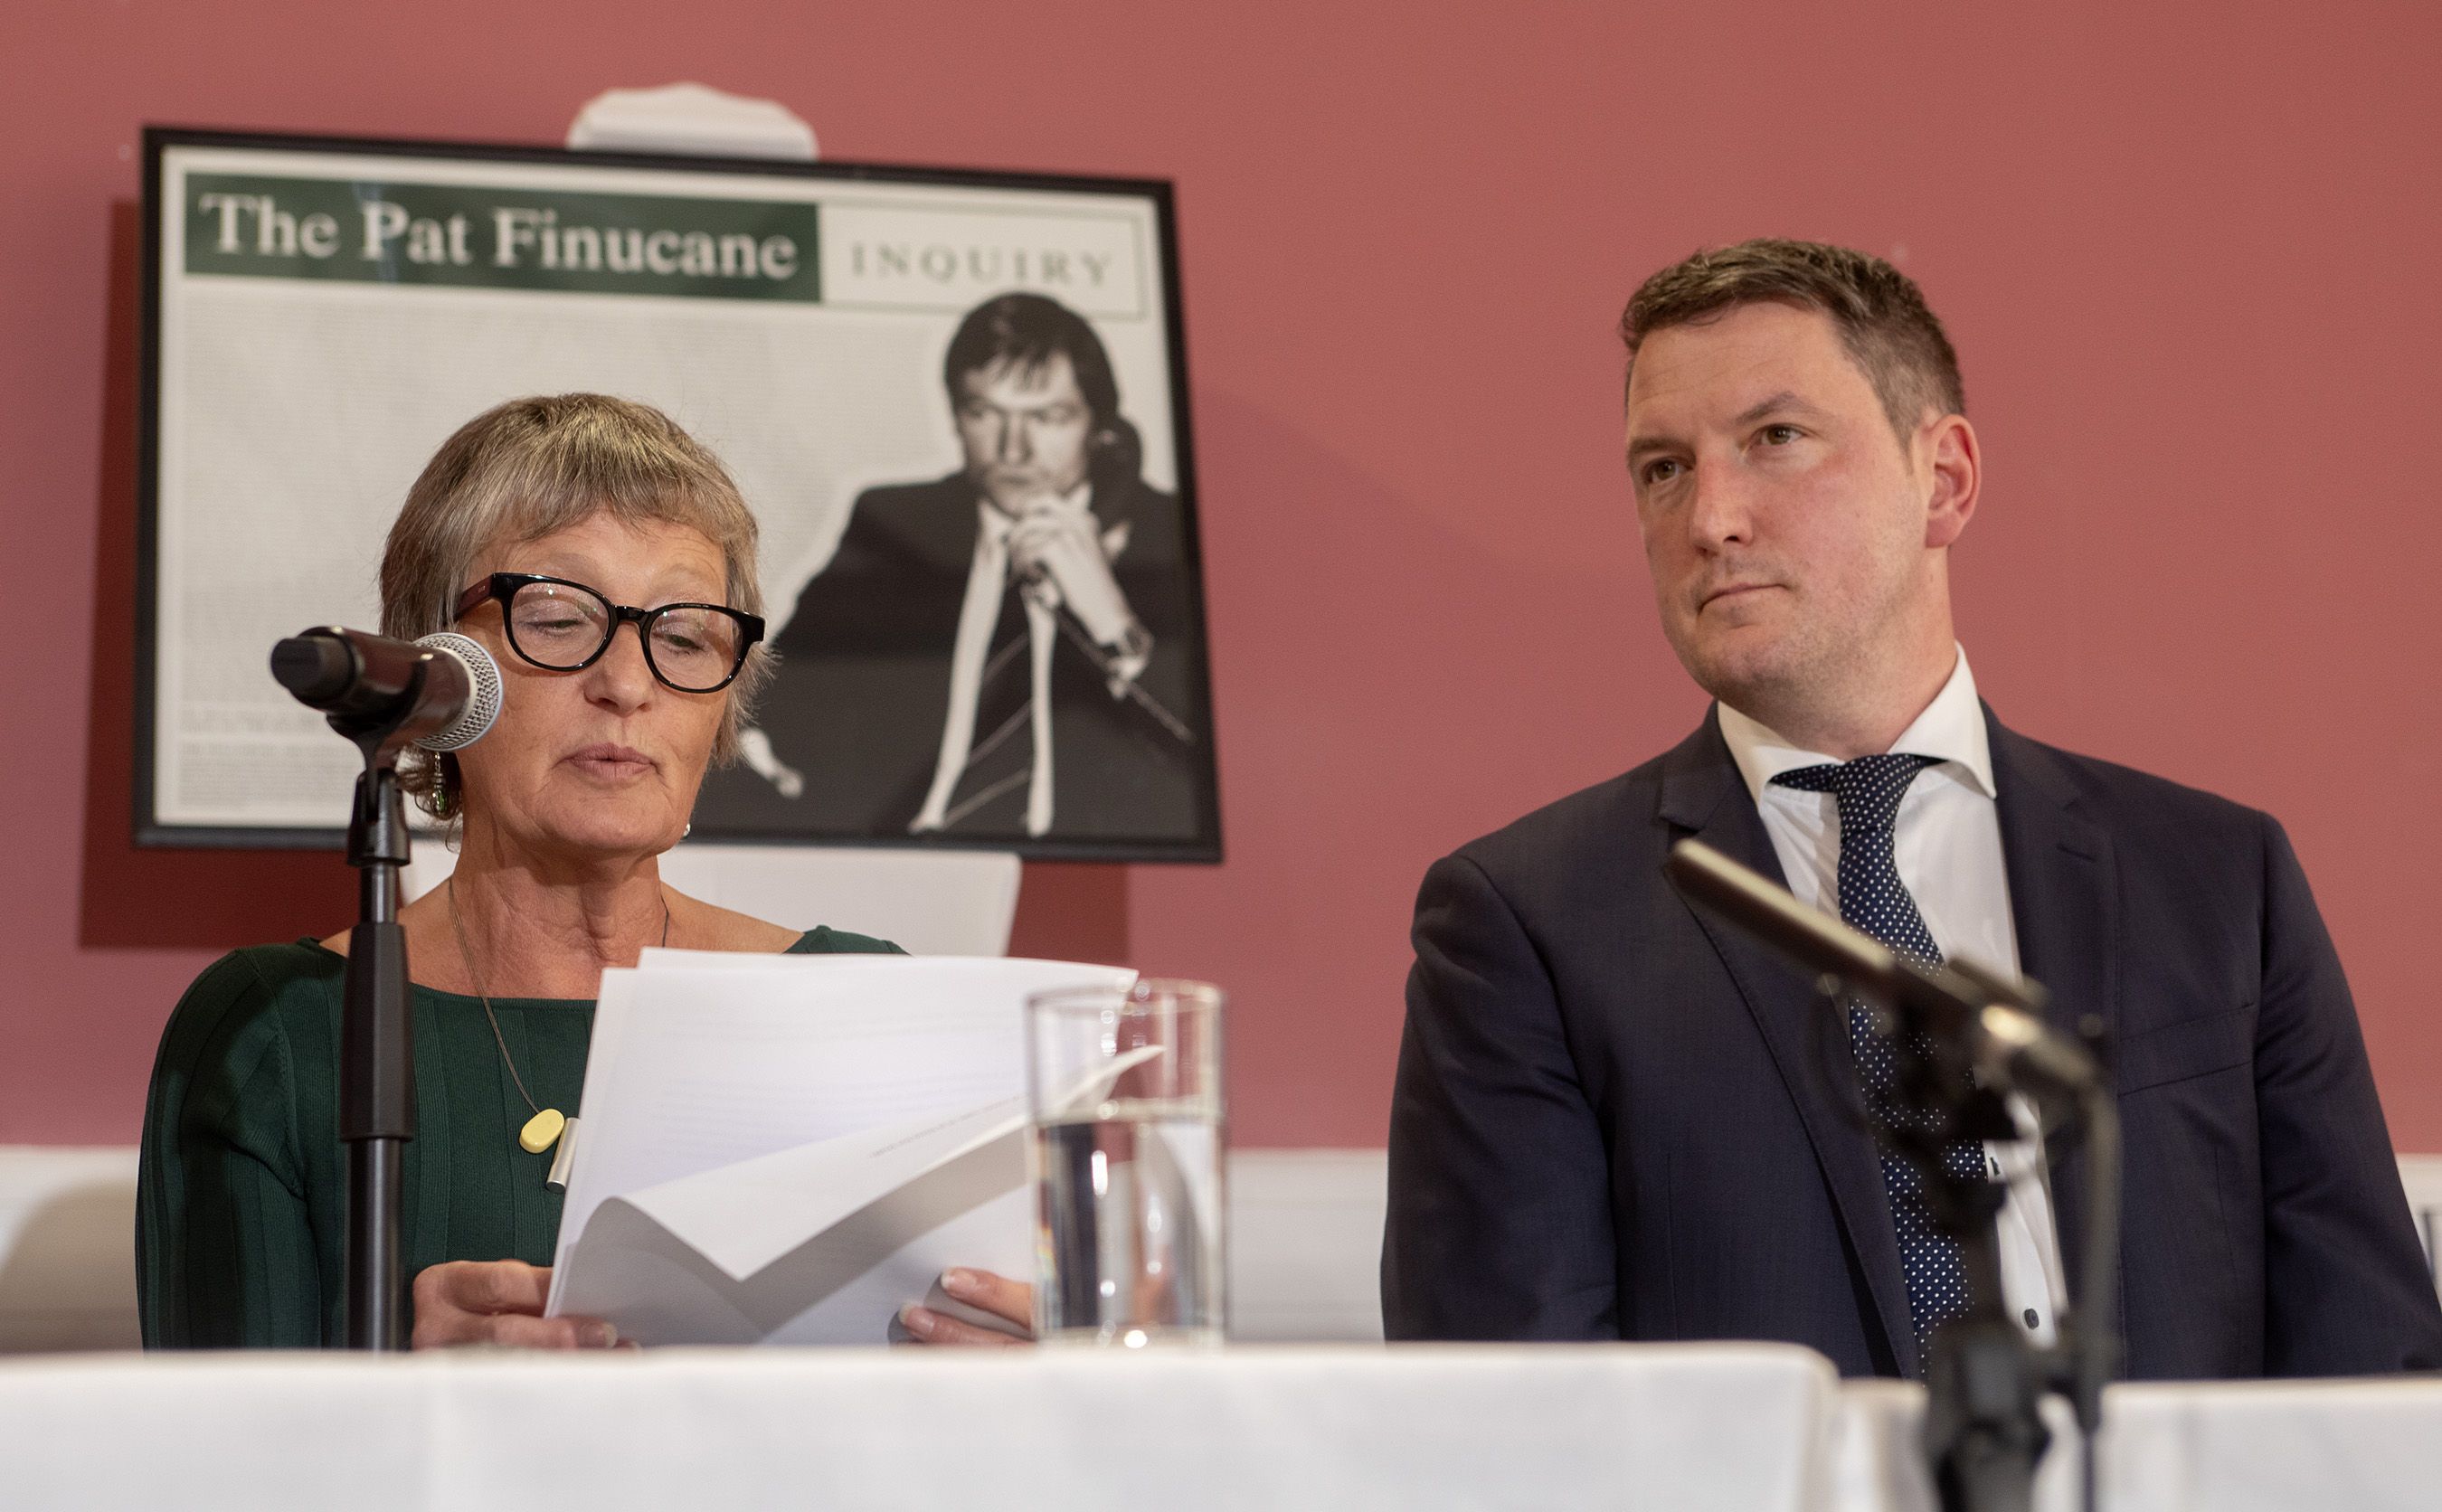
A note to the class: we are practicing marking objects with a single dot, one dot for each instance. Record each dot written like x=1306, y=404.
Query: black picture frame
x=1200, y=843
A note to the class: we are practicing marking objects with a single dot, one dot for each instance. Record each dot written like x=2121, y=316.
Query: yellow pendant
x=541, y=1131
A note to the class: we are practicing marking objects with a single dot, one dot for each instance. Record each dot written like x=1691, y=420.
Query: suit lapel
x=2064, y=886
x=1704, y=795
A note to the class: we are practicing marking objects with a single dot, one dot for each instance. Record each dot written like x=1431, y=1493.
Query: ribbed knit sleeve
x=226, y=1254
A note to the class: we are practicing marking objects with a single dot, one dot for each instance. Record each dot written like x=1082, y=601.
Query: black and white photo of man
x=1008, y=651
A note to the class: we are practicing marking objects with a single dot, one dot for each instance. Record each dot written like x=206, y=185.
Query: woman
x=527, y=531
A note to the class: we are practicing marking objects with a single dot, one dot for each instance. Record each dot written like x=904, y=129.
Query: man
x=1615, y=1117
x=1007, y=651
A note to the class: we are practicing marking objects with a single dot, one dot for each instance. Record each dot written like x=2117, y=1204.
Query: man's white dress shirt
x=988, y=579
x=1947, y=842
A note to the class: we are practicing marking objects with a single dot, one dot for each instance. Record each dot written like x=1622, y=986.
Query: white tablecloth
x=1753, y=1428
x=2239, y=1447
x=1699, y=1427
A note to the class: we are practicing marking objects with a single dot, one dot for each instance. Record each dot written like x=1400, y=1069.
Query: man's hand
x=997, y=1295
x=497, y=1302
x=1062, y=544
x=754, y=748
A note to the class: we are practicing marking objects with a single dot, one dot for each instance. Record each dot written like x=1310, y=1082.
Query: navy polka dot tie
x=1873, y=899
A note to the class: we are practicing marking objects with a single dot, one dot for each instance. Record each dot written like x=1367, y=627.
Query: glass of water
x=1124, y=1088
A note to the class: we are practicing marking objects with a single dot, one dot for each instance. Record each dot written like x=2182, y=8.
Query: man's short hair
x=1881, y=315
x=1024, y=331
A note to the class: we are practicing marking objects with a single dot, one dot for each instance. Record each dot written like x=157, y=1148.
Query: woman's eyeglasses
x=564, y=627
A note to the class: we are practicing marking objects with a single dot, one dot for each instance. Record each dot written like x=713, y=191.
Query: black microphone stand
x=376, y=1036
x=1960, y=1036
x=1984, y=1431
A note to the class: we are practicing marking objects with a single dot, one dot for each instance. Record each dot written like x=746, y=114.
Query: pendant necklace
x=542, y=1131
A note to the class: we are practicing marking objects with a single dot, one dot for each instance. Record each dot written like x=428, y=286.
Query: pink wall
x=2188, y=260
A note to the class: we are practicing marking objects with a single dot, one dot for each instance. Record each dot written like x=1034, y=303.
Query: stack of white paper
x=785, y=1149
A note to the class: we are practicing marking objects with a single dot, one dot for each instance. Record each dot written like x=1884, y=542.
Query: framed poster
x=906, y=370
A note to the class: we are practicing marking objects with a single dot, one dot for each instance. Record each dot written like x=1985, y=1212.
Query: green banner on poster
x=361, y=232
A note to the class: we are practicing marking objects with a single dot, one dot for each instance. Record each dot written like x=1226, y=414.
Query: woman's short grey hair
x=533, y=467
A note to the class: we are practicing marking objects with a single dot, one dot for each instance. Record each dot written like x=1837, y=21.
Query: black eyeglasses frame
x=502, y=587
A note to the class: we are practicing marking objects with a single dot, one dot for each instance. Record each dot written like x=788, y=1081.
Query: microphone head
x=482, y=692
x=317, y=667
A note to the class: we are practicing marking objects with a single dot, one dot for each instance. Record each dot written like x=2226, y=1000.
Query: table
x=1756, y=1428
x=2355, y=1446
x=1729, y=1428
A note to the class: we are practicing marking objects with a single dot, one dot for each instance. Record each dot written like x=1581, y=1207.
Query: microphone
x=1998, y=1021
x=442, y=692
x=1998, y=1018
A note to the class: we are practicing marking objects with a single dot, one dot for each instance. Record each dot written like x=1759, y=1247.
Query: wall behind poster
x=2188, y=271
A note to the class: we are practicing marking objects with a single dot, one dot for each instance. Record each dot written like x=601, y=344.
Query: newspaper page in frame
x=904, y=371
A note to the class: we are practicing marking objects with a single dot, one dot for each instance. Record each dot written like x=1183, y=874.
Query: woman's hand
x=497, y=1302
x=981, y=1289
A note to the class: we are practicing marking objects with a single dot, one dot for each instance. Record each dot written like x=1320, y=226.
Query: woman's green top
x=241, y=1216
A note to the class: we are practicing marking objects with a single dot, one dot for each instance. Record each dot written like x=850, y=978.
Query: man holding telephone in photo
x=1002, y=652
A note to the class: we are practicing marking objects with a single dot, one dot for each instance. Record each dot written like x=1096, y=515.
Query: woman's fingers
x=502, y=1286
x=940, y=1328
x=497, y=1302
x=981, y=1289
x=482, y=1287
x=550, y=1333
x=515, y=1330
x=997, y=1295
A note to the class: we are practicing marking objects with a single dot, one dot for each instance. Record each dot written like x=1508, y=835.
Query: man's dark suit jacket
x=1615, y=1117
x=864, y=682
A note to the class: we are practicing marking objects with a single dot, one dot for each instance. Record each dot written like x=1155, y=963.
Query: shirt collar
x=1950, y=730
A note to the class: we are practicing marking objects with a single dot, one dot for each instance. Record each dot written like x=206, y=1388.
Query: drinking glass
x=1124, y=1092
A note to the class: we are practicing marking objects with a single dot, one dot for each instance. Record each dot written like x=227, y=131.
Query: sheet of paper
x=742, y=1217
x=785, y=1149
x=654, y=1264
